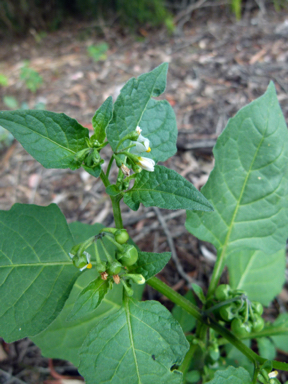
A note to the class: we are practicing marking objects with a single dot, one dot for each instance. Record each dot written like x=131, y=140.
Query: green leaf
x=102, y=118
x=89, y=299
x=36, y=273
x=259, y=274
x=281, y=341
x=93, y=171
x=266, y=348
x=159, y=125
x=231, y=375
x=149, y=263
x=236, y=358
x=186, y=320
x=248, y=185
x=138, y=344
x=134, y=107
x=63, y=339
x=164, y=188
x=51, y=138
x=199, y=292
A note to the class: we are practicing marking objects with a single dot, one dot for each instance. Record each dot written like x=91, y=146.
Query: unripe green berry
x=239, y=328
x=121, y=236
x=258, y=324
x=222, y=292
x=228, y=312
x=114, y=268
x=257, y=307
x=129, y=256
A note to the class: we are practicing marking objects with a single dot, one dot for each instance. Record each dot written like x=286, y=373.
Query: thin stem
x=125, y=149
x=194, y=311
x=117, y=212
x=113, y=241
x=107, y=254
x=98, y=259
x=109, y=166
x=184, y=367
x=217, y=272
x=104, y=179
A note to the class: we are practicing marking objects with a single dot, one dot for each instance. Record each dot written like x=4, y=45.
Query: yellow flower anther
x=89, y=266
x=148, y=150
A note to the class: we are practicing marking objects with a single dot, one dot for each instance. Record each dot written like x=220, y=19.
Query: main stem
x=115, y=203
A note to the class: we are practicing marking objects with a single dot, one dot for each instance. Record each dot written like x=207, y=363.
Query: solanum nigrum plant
x=75, y=289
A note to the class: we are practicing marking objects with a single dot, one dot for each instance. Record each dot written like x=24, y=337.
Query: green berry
x=222, y=292
x=258, y=324
x=239, y=328
x=228, y=312
x=257, y=307
x=121, y=236
x=114, y=268
x=129, y=256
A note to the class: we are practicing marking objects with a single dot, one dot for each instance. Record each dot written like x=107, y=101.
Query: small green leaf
x=260, y=275
x=186, y=320
x=132, y=102
x=149, y=263
x=231, y=375
x=112, y=190
x=164, y=188
x=248, y=185
x=89, y=299
x=51, y=138
x=93, y=171
x=138, y=344
x=266, y=348
x=102, y=118
x=36, y=272
x=199, y=292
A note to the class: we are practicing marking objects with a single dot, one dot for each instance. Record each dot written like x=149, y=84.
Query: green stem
x=184, y=367
x=194, y=311
x=217, y=272
x=107, y=254
x=113, y=241
x=98, y=259
x=104, y=179
x=109, y=166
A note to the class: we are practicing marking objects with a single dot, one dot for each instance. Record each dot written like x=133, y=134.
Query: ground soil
x=216, y=66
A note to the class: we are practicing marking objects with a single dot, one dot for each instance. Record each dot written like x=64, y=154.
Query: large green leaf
x=138, y=344
x=231, y=375
x=36, y=273
x=63, y=339
x=101, y=119
x=134, y=107
x=165, y=188
x=149, y=263
x=51, y=138
x=259, y=274
x=248, y=185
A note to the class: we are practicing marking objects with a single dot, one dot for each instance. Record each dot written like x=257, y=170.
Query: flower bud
x=138, y=279
x=93, y=159
x=101, y=267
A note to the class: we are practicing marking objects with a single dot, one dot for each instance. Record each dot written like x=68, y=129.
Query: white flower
x=146, y=163
x=142, y=144
x=273, y=374
x=88, y=258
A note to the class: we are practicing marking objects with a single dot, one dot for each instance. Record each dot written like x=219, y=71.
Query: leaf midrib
x=127, y=311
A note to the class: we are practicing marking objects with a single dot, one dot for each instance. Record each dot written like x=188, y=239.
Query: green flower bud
x=80, y=156
x=222, y=292
x=93, y=159
x=81, y=261
x=138, y=279
x=129, y=256
x=114, y=268
x=136, y=168
x=121, y=236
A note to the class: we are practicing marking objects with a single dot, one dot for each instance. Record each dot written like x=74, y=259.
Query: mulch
x=216, y=66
